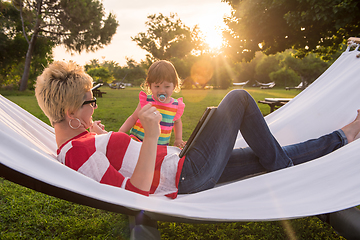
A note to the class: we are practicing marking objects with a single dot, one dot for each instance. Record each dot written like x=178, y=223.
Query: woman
x=63, y=92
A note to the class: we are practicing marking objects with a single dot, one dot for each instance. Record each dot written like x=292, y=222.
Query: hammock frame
x=16, y=176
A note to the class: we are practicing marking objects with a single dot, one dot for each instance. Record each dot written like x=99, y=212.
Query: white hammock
x=328, y=184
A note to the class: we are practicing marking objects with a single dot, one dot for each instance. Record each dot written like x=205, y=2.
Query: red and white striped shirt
x=111, y=159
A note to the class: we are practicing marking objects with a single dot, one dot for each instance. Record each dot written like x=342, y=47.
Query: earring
x=72, y=126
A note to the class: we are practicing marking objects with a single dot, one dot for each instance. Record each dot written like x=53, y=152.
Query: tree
x=183, y=66
x=305, y=25
x=11, y=44
x=79, y=25
x=224, y=74
x=110, y=71
x=134, y=72
x=167, y=37
x=265, y=66
x=285, y=77
x=309, y=68
x=13, y=47
x=100, y=74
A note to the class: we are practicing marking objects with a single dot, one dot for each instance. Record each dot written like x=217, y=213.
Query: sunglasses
x=92, y=102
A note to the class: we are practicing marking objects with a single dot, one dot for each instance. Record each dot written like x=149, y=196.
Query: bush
x=285, y=77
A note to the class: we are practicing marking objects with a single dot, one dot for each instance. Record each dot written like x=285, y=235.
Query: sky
x=132, y=15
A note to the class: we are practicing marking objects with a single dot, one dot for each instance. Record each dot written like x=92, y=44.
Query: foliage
x=204, y=70
x=266, y=65
x=133, y=73
x=100, y=74
x=201, y=72
x=12, y=44
x=164, y=35
x=305, y=25
x=79, y=25
x=285, y=77
x=61, y=23
x=167, y=37
x=183, y=66
x=223, y=72
x=110, y=71
x=308, y=68
x=245, y=71
x=13, y=47
x=285, y=68
x=219, y=71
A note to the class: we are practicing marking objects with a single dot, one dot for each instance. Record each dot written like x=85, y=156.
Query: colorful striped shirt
x=111, y=159
x=170, y=112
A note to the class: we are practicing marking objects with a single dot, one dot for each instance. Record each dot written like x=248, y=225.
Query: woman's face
x=85, y=112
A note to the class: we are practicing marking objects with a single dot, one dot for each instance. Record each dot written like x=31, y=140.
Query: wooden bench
x=98, y=93
x=275, y=103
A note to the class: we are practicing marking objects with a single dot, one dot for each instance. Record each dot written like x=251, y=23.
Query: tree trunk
x=25, y=76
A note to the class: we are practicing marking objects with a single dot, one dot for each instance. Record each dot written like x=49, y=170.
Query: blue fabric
x=213, y=160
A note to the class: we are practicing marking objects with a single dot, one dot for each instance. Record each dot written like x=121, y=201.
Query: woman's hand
x=150, y=119
x=97, y=128
x=143, y=174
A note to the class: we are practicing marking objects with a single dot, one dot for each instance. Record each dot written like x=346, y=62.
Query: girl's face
x=85, y=112
x=162, y=91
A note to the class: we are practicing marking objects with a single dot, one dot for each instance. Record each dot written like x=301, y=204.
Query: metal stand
x=346, y=222
x=143, y=227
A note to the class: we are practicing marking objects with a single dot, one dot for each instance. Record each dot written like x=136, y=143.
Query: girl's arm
x=144, y=171
x=178, y=134
x=130, y=121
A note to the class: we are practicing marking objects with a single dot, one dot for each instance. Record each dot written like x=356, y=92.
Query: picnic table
x=275, y=103
x=98, y=93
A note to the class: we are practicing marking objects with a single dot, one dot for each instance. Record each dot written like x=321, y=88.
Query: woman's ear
x=69, y=114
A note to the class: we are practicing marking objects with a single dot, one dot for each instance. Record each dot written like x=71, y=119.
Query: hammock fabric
x=327, y=184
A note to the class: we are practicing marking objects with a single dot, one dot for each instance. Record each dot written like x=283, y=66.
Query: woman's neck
x=64, y=133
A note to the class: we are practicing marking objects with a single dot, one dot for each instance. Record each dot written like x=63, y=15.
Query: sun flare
x=214, y=39
x=212, y=32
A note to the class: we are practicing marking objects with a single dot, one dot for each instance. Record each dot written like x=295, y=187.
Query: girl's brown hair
x=159, y=72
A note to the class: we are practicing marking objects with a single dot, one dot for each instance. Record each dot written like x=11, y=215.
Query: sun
x=211, y=24
x=214, y=39
x=212, y=33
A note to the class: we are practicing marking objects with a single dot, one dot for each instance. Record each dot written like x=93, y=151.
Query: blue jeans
x=213, y=160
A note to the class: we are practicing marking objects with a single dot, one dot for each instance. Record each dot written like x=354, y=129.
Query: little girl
x=161, y=81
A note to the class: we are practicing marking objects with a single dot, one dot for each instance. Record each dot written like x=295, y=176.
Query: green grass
x=27, y=214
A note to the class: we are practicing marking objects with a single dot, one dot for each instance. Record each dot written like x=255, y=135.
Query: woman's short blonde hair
x=61, y=88
x=159, y=72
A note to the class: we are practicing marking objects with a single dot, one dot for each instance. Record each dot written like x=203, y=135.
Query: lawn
x=26, y=214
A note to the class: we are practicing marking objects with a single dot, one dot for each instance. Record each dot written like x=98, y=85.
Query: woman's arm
x=130, y=121
x=178, y=134
x=144, y=171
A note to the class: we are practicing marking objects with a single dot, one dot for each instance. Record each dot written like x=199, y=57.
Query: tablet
x=209, y=111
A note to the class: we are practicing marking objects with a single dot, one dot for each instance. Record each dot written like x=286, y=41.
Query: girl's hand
x=179, y=143
x=150, y=119
x=97, y=127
